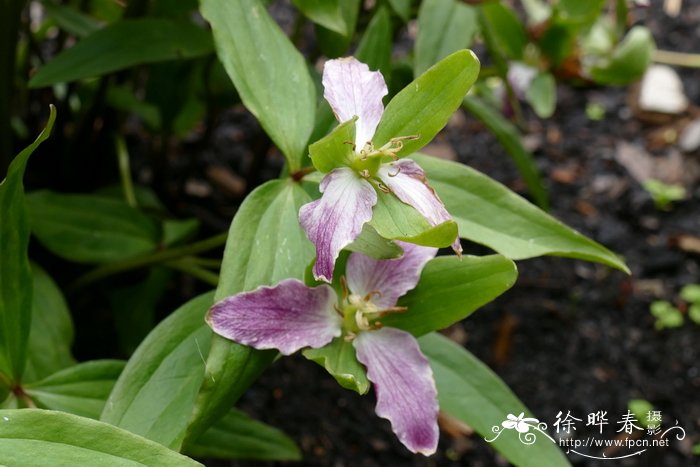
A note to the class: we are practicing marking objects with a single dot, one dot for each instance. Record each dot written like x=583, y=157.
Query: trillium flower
x=519, y=423
x=291, y=316
x=350, y=192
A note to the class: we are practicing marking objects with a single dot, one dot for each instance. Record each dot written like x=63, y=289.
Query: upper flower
x=291, y=316
x=349, y=192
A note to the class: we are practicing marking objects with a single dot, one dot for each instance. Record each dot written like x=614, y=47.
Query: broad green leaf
x=269, y=73
x=265, y=245
x=395, y=220
x=70, y=19
x=542, y=95
x=450, y=289
x=155, y=393
x=89, y=228
x=490, y=214
x=508, y=135
x=469, y=391
x=444, y=27
x=327, y=13
x=81, y=389
x=340, y=361
x=337, y=149
x=15, y=272
x=51, y=332
x=144, y=40
x=122, y=98
x=557, y=43
x=371, y=244
x=423, y=107
x=504, y=29
x=402, y=8
x=237, y=436
x=375, y=46
x=44, y=437
x=629, y=60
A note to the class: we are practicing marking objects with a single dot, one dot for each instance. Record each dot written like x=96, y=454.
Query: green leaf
x=402, y=8
x=265, y=245
x=640, y=408
x=145, y=40
x=44, y=437
x=576, y=11
x=629, y=60
x=490, y=214
x=450, y=289
x=327, y=13
x=337, y=149
x=469, y=391
x=371, y=244
x=396, y=220
x=51, y=332
x=340, y=361
x=542, y=95
x=81, y=389
x=504, y=28
x=237, y=436
x=70, y=19
x=691, y=293
x=444, y=27
x=423, y=107
x=15, y=273
x=375, y=46
x=269, y=73
x=508, y=135
x=694, y=313
x=89, y=228
x=156, y=391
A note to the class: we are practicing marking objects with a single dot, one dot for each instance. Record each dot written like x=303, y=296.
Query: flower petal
x=404, y=384
x=351, y=89
x=407, y=181
x=287, y=317
x=336, y=219
x=392, y=278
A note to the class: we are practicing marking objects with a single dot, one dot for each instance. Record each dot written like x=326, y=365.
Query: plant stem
x=676, y=58
x=189, y=267
x=147, y=260
x=125, y=171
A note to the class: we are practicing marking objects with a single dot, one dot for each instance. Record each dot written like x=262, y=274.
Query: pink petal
x=351, y=89
x=335, y=220
x=407, y=181
x=287, y=317
x=390, y=277
x=404, y=384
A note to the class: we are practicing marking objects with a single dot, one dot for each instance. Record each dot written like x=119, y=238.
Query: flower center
x=361, y=314
x=368, y=160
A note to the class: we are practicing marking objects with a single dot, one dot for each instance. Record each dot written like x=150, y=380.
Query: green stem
x=677, y=58
x=205, y=262
x=125, y=171
x=193, y=270
x=148, y=260
x=5, y=381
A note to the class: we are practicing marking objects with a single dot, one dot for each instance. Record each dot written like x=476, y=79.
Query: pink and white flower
x=349, y=193
x=291, y=316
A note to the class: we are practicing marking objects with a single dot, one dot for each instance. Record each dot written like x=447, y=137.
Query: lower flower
x=291, y=316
